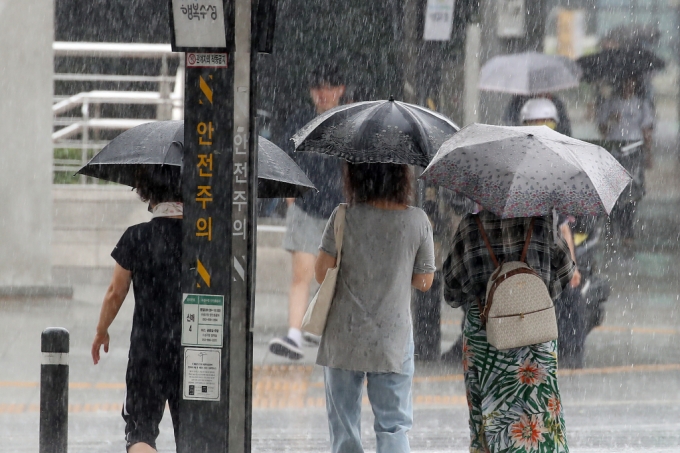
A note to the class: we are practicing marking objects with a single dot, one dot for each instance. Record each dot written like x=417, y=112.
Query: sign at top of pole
x=199, y=25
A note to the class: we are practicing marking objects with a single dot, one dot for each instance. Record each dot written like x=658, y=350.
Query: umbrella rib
x=416, y=120
x=297, y=141
x=433, y=113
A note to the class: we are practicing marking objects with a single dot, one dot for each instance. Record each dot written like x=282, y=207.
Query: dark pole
x=219, y=186
x=54, y=344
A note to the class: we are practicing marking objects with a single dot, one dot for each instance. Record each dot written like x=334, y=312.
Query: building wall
x=26, y=29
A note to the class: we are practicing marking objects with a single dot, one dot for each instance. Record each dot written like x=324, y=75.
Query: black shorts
x=149, y=385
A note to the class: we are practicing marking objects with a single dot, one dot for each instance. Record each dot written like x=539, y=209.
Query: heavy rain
x=346, y=226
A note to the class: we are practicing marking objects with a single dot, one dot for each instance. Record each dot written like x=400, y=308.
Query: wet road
x=626, y=399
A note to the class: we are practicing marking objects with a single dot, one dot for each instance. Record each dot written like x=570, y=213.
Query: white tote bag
x=314, y=321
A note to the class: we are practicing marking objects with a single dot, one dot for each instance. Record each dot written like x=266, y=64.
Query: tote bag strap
x=339, y=228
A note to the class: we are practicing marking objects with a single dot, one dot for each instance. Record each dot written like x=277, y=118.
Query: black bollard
x=54, y=344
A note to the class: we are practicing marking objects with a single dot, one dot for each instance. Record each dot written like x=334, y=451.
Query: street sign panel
x=511, y=19
x=199, y=24
x=202, y=371
x=202, y=320
x=206, y=60
x=438, y=20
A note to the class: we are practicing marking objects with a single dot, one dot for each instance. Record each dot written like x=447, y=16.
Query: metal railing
x=67, y=128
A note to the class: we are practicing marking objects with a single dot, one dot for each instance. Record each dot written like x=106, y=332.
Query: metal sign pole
x=242, y=237
x=219, y=188
x=206, y=277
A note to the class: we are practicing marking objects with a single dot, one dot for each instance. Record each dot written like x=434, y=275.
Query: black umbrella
x=377, y=131
x=616, y=65
x=157, y=148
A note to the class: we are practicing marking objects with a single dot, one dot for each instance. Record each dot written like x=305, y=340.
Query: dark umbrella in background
x=155, y=150
x=616, y=65
x=377, y=131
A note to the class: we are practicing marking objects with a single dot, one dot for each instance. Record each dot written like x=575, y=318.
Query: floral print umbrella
x=528, y=171
x=377, y=131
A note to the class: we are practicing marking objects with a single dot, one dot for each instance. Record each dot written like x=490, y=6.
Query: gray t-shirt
x=633, y=114
x=369, y=323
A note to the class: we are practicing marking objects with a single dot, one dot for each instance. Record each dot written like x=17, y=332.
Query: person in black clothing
x=307, y=216
x=149, y=256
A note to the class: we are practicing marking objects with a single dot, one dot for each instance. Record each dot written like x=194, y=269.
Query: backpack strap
x=486, y=241
x=528, y=240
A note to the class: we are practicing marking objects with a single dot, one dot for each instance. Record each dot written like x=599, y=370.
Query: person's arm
x=324, y=261
x=565, y=231
x=424, y=264
x=113, y=300
x=422, y=282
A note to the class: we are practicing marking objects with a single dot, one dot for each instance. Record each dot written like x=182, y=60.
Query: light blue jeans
x=391, y=401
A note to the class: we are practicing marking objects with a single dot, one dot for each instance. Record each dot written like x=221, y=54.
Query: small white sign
x=511, y=19
x=202, y=320
x=202, y=372
x=438, y=20
x=199, y=24
x=206, y=60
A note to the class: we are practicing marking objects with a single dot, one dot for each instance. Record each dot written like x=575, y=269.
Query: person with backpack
x=512, y=393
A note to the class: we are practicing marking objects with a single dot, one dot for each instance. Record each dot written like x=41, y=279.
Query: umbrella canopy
x=528, y=73
x=377, y=131
x=527, y=171
x=615, y=65
x=158, y=146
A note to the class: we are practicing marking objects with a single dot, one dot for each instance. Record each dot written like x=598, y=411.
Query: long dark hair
x=376, y=181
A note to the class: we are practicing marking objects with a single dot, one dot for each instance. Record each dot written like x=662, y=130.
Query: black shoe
x=285, y=347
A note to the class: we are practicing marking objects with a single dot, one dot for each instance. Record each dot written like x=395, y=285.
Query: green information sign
x=202, y=320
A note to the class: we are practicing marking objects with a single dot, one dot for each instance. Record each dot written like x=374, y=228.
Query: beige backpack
x=519, y=310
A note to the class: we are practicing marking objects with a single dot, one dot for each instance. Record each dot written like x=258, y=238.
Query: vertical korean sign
x=215, y=226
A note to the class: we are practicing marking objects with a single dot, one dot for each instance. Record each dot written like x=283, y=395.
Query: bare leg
x=141, y=447
x=303, y=273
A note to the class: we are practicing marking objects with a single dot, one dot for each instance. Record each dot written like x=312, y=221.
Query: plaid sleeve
x=562, y=267
x=455, y=272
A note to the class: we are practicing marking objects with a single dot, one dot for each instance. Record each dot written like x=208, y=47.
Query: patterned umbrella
x=527, y=171
x=377, y=131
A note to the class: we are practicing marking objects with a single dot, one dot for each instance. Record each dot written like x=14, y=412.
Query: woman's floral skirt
x=514, y=402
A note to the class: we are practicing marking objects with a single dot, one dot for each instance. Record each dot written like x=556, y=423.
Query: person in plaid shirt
x=513, y=398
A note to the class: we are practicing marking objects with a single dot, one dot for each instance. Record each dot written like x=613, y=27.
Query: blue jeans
x=391, y=401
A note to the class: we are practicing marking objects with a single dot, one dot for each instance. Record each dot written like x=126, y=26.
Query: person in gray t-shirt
x=387, y=248
x=626, y=118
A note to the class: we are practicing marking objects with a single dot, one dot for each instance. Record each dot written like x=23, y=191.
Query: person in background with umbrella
x=542, y=112
x=530, y=75
x=626, y=120
x=306, y=217
x=513, y=112
x=387, y=249
x=149, y=256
